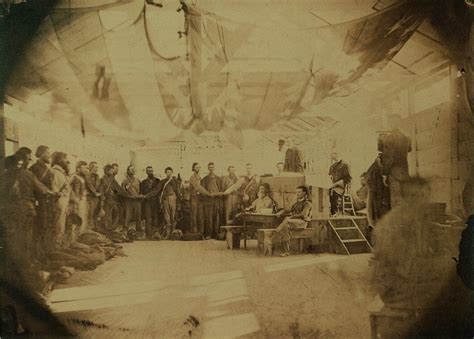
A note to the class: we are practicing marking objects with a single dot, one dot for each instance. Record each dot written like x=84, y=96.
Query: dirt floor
x=180, y=289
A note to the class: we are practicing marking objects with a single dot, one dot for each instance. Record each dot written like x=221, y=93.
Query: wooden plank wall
x=436, y=116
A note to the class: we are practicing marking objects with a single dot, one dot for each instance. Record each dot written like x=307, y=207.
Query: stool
x=233, y=235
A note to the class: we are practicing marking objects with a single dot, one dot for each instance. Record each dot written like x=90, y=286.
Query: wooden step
x=353, y=241
x=345, y=228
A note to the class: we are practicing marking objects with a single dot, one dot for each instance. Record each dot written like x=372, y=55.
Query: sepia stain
x=193, y=322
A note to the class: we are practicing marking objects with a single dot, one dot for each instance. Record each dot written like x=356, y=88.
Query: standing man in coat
x=92, y=184
x=213, y=184
x=249, y=187
x=61, y=186
x=169, y=192
x=150, y=206
x=197, y=194
x=232, y=200
x=132, y=204
x=293, y=158
x=109, y=191
x=44, y=218
x=79, y=199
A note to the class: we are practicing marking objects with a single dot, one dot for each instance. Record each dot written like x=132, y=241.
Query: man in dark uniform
x=232, y=200
x=132, y=205
x=213, y=184
x=169, y=192
x=92, y=185
x=150, y=207
x=196, y=196
x=340, y=178
x=44, y=219
x=109, y=190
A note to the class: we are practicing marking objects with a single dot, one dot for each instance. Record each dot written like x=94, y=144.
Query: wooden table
x=266, y=220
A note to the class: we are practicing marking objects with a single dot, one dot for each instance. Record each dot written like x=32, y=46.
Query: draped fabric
x=156, y=72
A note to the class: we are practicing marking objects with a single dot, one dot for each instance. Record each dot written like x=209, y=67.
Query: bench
x=233, y=235
x=298, y=235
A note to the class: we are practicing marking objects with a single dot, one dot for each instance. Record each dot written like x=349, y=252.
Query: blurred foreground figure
x=19, y=189
x=415, y=275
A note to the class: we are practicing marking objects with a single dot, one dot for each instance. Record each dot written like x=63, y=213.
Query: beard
x=65, y=167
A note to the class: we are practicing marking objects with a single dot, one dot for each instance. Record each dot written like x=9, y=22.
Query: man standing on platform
x=92, y=184
x=132, y=205
x=281, y=150
x=394, y=147
x=340, y=177
x=293, y=158
x=213, y=184
x=232, y=200
x=197, y=194
x=150, y=206
x=299, y=217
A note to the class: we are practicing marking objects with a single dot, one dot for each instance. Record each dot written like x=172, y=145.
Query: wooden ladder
x=347, y=203
x=349, y=235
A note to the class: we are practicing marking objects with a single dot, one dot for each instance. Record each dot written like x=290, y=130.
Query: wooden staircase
x=348, y=235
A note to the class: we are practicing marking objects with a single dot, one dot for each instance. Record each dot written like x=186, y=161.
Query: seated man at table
x=298, y=217
x=263, y=200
